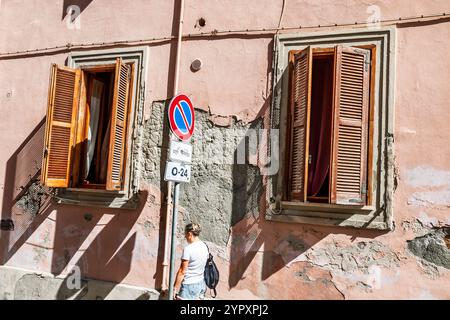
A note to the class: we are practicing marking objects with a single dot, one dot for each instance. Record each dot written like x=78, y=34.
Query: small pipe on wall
x=164, y=285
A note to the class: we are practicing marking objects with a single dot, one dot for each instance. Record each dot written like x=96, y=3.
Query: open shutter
x=116, y=158
x=60, y=127
x=300, y=114
x=350, y=127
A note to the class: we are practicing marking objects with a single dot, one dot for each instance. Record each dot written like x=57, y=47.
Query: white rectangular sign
x=177, y=172
x=180, y=151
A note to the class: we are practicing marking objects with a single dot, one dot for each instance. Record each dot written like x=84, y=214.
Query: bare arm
x=180, y=275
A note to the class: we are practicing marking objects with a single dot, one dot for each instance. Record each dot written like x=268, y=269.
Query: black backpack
x=211, y=273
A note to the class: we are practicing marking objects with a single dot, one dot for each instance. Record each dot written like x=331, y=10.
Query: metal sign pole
x=173, y=244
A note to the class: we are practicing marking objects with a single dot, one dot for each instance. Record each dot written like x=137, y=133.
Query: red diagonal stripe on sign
x=180, y=108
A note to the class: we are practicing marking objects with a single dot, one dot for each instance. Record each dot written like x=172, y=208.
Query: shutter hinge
x=367, y=62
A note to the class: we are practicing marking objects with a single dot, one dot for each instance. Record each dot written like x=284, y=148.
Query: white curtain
x=104, y=153
x=94, y=108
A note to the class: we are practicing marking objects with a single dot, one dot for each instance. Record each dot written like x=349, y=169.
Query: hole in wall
x=201, y=22
x=7, y=225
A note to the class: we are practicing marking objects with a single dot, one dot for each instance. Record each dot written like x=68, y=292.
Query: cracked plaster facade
x=257, y=258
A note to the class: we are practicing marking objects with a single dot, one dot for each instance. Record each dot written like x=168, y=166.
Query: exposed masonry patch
x=432, y=247
x=221, y=192
x=416, y=226
x=31, y=200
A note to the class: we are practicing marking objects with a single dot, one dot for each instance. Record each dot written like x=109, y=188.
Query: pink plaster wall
x=262, y=259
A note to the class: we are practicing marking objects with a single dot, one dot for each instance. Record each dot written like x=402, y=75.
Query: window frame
x=82, y=125
x=378, y=213
x=329, y=51
x=126, y=198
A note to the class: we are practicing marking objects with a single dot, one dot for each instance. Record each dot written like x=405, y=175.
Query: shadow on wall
x=23, y=199
x=82, y=4
x=163, y=208
x=98, y=241
x=108, y=255
x=260, y=248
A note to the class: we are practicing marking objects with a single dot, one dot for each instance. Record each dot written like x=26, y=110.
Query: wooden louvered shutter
x=117, y=155
x=60, y=127
x=351, y=103
x=300, y=115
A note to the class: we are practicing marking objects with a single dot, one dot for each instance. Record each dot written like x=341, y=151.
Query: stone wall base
x=21, y=284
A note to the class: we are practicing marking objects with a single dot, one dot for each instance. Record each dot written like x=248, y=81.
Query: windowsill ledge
x=362, y=217
x=98, y=191
x=320, y=207
x=96, y=198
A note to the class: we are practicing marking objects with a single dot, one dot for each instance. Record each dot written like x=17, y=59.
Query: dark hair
x=194, y=228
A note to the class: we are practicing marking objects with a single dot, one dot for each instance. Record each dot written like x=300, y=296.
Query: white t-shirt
x=197, y=255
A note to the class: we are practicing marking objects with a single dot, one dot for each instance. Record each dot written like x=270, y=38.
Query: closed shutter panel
x=300, y=114
x=351, y=105
x=60, y=127
x=116, y=159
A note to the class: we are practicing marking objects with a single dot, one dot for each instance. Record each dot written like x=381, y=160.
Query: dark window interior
x=320, y=128
x=95, y=150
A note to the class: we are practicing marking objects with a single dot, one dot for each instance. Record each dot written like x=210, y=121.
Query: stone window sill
x=329, y=214
x=96, y=198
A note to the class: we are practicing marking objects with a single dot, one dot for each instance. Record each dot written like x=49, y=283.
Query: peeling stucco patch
x=416, y=226
x=148, y=227
x=360, y=256
x=362, y=266
x=423, y=224
x=221, y=121
x=291, y=250
x=427, y=176
x=366, y=265
x=432, y=199
x=428, y=221
x=437, y=184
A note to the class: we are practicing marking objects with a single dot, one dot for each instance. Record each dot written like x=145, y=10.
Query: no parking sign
x=182, y=123
x=182, y=117
x=178, y=168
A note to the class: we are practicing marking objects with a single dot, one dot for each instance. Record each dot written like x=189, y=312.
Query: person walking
x=190, y=277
